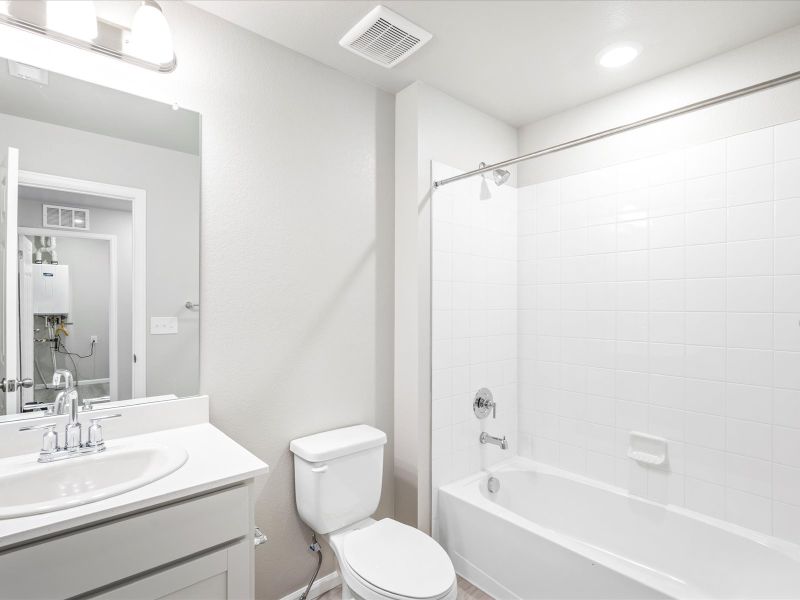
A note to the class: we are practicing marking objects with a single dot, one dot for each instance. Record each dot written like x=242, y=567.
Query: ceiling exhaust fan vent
x=385, y=38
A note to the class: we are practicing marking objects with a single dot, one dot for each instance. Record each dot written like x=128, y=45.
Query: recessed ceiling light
x=618, y=55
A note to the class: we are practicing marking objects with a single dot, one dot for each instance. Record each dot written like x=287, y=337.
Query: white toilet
x=337, y=480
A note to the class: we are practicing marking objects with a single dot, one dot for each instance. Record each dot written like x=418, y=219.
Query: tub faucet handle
x=483, y=403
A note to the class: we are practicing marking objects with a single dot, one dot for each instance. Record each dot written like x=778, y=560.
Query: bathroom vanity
x=188, y=534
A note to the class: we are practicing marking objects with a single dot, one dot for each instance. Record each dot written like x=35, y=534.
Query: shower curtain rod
x=628, y=127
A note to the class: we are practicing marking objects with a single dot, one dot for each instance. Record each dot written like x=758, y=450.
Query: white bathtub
x=551, y=534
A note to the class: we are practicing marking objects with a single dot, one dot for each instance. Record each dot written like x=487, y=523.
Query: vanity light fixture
x=618, y=55
x=147, y=43
x=75, y=18
x=151, y=38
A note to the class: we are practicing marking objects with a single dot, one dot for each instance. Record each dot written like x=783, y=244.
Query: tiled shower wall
x=474, y=323
x=664, y=296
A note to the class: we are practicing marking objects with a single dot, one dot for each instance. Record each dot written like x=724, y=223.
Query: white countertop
x=214, y=461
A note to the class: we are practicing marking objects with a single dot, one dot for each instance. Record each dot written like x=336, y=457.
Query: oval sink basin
x=41, y=488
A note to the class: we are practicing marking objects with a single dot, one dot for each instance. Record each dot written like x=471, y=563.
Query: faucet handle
x=484, y=401
x=96, y=430
x=49, y=439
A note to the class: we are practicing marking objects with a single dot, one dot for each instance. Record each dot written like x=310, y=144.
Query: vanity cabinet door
x=220, y=575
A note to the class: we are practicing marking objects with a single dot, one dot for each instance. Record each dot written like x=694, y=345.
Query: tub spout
x=497, y=441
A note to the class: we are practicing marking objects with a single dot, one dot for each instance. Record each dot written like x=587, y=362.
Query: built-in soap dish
x=647, y=449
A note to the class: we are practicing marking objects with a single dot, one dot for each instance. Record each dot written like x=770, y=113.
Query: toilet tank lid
x=337, y=442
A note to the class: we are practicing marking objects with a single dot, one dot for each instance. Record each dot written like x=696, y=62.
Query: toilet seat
x=398, y=561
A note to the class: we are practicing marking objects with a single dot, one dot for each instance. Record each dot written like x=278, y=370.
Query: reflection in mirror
x=99, y=242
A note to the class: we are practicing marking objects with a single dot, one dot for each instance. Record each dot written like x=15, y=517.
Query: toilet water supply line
x=313, y=547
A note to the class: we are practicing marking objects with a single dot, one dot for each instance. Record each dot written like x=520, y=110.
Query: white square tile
x=705, y=430
x=787, y=332
x=787, y=141
x=667, y=327
x=786, y=484
x=600, y=467
x=632, y=296
x=786, y=446
x=632, y=326
x=705, y=497
x=667, y=391
x=787, y=408
x=705, y=192
x=750, y=222
x=705, y=396
x=748, y=402
x=705, y=294
x=750, y=258
x=705, y=226
x=787, y=179
x=750, y=294
x=704, y=362
x=706, y=261
x=632, y=235
x=666, y=199
x=667, y=296
x=748, y=510
x=748, y=474
x=705, y=328
x=666, y=422
x=787, y=370
x=665, y=168
x=750, y=330
x=667, y=263
x=667, y=359
x=631, y=416
x=750, y=185
x=753, y=367
x=787, y=217
x=787, y=256
x=750, y=149
x=706, y=159
x=704, y=463
x=631, y=386
x=632, y=266
x=749, y=438
x=667, y=231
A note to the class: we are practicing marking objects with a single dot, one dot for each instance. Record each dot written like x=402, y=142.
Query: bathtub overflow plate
x=493, y=485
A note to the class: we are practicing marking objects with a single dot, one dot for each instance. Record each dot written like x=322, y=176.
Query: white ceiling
x=519, y=60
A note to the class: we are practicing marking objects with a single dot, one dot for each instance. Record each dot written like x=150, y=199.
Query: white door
x=9, y=332
x=25, y=318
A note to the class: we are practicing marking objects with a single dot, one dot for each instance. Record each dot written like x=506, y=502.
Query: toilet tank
x=338, y=476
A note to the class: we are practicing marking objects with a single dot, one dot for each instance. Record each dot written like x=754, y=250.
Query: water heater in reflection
x=51, y=289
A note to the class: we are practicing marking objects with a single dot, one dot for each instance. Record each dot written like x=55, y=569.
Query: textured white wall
x=296, y=249
x=430, y=126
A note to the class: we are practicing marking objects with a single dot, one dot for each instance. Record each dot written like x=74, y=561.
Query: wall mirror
x=99, y=244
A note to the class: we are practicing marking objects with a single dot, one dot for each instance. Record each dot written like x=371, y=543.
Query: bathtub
x=548, y=533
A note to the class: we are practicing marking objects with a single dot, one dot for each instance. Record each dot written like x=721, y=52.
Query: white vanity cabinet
x=197, y=547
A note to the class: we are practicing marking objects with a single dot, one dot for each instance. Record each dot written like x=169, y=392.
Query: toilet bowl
x=387, y=559
x=337, y=488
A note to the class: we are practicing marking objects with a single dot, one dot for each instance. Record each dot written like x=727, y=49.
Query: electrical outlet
x=92, y=339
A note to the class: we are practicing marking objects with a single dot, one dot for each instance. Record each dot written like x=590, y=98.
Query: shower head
x=500, y=176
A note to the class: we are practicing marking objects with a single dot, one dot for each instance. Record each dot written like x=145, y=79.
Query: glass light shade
x=151, y=38
x=75, y=18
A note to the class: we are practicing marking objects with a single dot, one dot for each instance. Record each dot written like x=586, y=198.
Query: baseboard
x=321, y=585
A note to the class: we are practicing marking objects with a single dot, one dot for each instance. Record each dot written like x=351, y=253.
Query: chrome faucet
x=68, y=394
x=497, y=441
x=73, y=444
